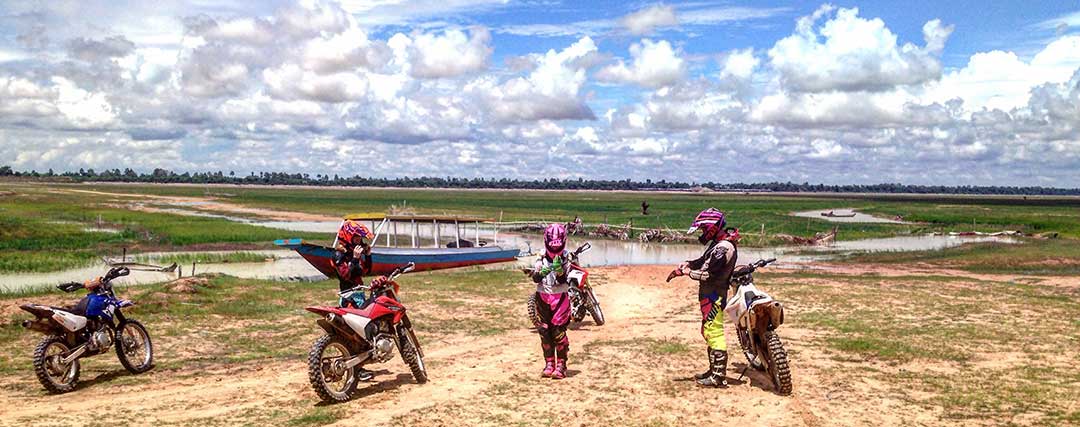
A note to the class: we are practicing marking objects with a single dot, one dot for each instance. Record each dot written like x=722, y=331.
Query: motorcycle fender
x=578, y=276
x=69, y=321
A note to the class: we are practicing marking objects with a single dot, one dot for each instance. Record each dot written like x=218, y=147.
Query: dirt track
x=620, y=374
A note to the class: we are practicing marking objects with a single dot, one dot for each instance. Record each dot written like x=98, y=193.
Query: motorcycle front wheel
x=133, y=347
x=594, y=308
x=53, y=374
x=330, y=379
x=752, y=359
x=409, y=347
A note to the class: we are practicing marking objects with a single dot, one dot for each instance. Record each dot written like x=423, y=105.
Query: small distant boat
x=832, y=214
x=386, y=259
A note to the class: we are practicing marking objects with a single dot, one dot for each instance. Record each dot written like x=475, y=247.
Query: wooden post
x=193, y=268
x=436, y=229
x=415, y=231
x=477, y=242
x=123, y=258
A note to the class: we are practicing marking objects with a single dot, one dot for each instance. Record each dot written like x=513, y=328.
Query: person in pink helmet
x=713, y=271
x=552, y=301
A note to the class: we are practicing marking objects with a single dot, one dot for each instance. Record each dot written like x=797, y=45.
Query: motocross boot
x=708, y=372
x=549, y=367
x=560, y=370
x=364, y=374
x=718, y=376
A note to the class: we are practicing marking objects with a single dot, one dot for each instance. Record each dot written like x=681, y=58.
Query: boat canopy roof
x=418, y=218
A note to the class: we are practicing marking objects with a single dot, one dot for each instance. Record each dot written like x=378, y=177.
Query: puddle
x=846, y=216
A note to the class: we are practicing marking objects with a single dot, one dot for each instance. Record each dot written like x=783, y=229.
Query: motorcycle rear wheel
x=322, y=372
x=534, y=316
x=56, y=378
x=778, y=364
x=133, y=347
x=410, y=353
x=594, y=308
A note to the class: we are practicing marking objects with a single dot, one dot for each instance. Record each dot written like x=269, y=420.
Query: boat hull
x=385, y=260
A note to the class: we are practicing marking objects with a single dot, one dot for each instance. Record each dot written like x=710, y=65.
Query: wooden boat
x=832, y=214
x=386, y=259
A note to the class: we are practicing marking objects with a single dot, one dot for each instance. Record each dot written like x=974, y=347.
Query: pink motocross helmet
x=711, y=222
x=555, y=239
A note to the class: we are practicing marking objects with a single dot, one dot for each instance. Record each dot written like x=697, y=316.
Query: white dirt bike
x=756, y=316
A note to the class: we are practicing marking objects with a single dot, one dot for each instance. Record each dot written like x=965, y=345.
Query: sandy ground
x=493, y=380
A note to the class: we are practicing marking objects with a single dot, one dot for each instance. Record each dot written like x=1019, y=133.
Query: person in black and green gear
x=713, y=271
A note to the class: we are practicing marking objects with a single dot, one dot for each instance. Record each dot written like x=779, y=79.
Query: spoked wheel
x=778, y=364
x=534, y=316
x=133, y=347
x=753, y=360
x=51, y=371
x=409, y=347
x=332, y=381
x=594, y=307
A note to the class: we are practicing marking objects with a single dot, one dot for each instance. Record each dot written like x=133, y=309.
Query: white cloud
x=450, y=54
x=646, y=20
x=850, y=53
x=739, y=64
x=655, y=64
x=549, y=92
x=1002, y=80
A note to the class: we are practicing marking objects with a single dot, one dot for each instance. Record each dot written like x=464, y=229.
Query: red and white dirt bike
x=582, y=299
x=358, y=336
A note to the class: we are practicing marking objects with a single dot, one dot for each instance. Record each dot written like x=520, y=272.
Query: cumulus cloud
x=450, y=54
x=654, y=64
x=646, y=20
x=311, y=87
x=850, y=53
x=551, y=91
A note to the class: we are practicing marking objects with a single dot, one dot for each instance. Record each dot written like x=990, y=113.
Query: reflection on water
x=859, y=217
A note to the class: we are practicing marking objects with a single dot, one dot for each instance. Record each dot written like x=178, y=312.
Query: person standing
x=713, y=271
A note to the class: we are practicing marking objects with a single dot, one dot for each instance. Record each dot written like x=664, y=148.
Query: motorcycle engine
x=101, y=340
x=382, y=348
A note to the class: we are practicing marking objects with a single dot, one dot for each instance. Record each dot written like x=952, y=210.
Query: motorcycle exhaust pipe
x=37, y=326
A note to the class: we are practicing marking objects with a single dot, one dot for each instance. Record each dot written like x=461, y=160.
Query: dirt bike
x=582, y=299
x=71, y=333
x=356, y=336
x=756, y=316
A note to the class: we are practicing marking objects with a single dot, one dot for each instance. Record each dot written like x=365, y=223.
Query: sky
x=915, y=91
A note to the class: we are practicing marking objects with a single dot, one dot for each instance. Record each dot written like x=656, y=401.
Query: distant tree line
x=164, y=176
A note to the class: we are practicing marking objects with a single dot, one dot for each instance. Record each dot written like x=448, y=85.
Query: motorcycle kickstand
x=743, y=373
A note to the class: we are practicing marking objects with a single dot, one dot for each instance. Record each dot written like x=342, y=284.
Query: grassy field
x=955, y=349
x=41, y=230
x=1031, y=256
x=977, y=349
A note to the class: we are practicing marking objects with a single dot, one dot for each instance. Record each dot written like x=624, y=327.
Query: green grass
x=1033, y=256
x=204, y=258
x=42, y=230
x=674, y=210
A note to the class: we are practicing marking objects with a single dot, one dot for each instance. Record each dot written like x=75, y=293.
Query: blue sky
x=923, y=92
